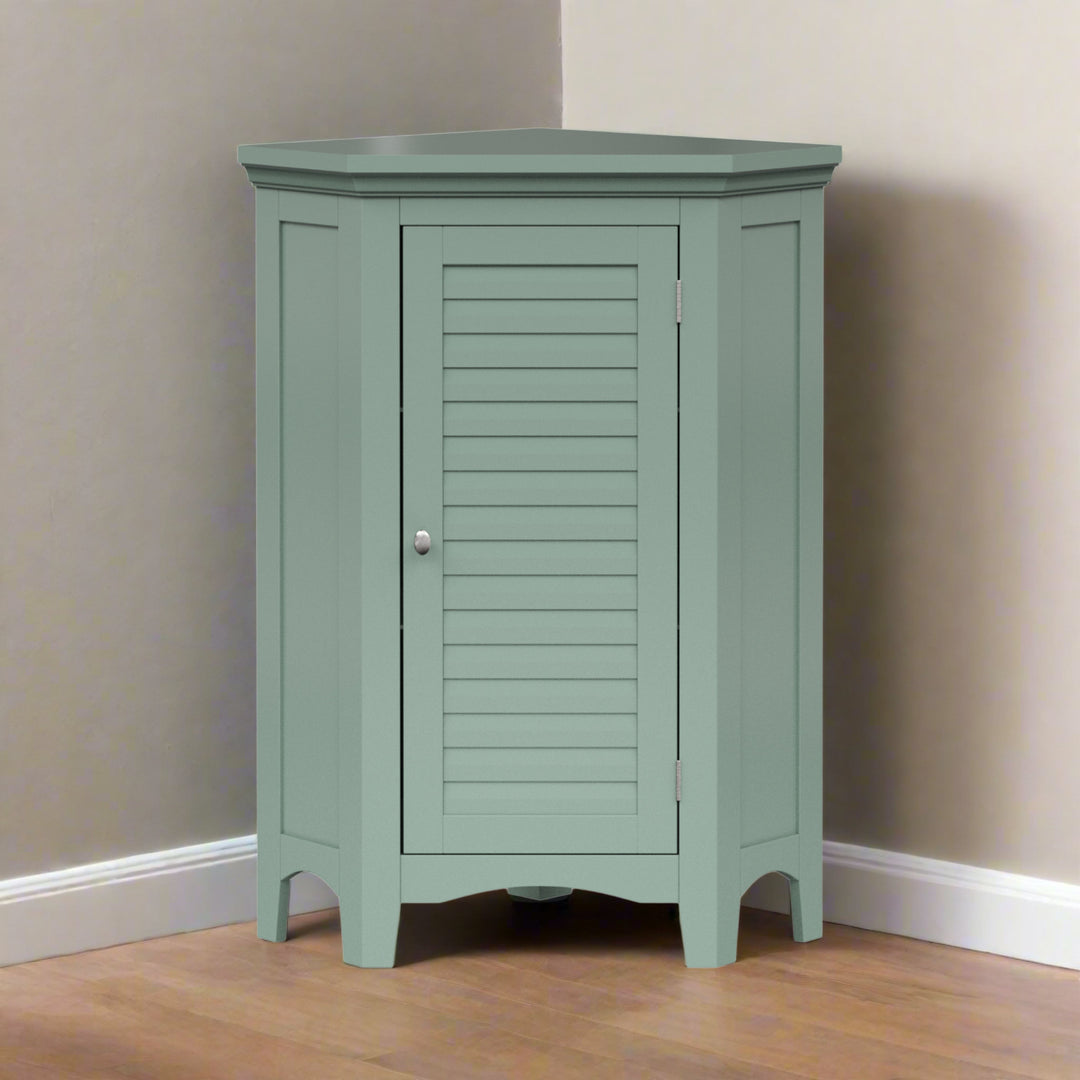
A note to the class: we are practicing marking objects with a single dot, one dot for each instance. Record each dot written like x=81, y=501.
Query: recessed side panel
x=309, y=531
x=770, y=388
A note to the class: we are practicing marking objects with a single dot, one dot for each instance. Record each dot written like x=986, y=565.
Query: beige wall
x=126, y=372
x=953, y=380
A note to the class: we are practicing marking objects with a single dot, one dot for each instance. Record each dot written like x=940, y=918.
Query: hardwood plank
x=128, y=1026
x=594, y=987
x=494, y=1054
x=902, y=970
x=21, y=1069
x=726, y=1023
x=841, y=986
x=549, y=1024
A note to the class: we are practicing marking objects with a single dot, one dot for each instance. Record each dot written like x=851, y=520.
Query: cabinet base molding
x=647, y=879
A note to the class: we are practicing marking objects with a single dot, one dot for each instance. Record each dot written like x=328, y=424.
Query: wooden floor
x=594, y=987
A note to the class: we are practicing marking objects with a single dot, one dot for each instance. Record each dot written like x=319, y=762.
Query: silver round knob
x=422, y=542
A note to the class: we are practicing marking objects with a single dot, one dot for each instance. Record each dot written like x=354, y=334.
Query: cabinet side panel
x=811, y=538
x=268, y=547
x=770, y=313
x=309, y=531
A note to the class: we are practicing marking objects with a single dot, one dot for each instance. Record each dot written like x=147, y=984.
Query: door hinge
x=678, y=300
x=678, y=780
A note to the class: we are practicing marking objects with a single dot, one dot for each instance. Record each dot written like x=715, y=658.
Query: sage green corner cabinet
x=539, y=540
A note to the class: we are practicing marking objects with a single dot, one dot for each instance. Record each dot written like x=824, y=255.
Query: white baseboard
x=139, y=897
x=986, y=910
x=193, y=888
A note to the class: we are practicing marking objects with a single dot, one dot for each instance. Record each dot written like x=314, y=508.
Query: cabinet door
x=540, y=369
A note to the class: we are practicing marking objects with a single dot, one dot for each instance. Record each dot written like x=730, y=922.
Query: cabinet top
x=535, y=159
x=532, y=150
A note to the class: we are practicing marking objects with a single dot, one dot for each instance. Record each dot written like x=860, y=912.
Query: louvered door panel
x=540, y=374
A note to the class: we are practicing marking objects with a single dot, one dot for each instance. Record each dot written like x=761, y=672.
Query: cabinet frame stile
x=370, y=737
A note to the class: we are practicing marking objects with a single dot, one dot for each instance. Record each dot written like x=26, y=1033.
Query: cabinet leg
x=369, y=936
x=272, y=905
x=710, y=933
x=806, y=915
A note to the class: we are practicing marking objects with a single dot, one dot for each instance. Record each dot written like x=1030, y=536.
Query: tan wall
x=127, y=372
x=953, y=380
